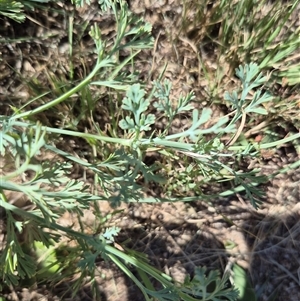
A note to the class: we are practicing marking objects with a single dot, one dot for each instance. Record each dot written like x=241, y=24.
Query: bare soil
x=175, y=236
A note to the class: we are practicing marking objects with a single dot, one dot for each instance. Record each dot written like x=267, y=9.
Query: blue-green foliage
x=135, y=103
x=250, y=79
x=209, y=286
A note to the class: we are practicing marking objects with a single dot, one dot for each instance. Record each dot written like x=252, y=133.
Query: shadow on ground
x=275, y=255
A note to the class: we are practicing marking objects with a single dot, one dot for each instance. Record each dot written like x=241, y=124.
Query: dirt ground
x=175, y=236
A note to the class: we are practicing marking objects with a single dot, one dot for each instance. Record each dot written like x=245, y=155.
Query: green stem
x=68, y=94
x=112, y=252
x=267, y=145
x=156, y=141
x=125, y=142
x=126, y=271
